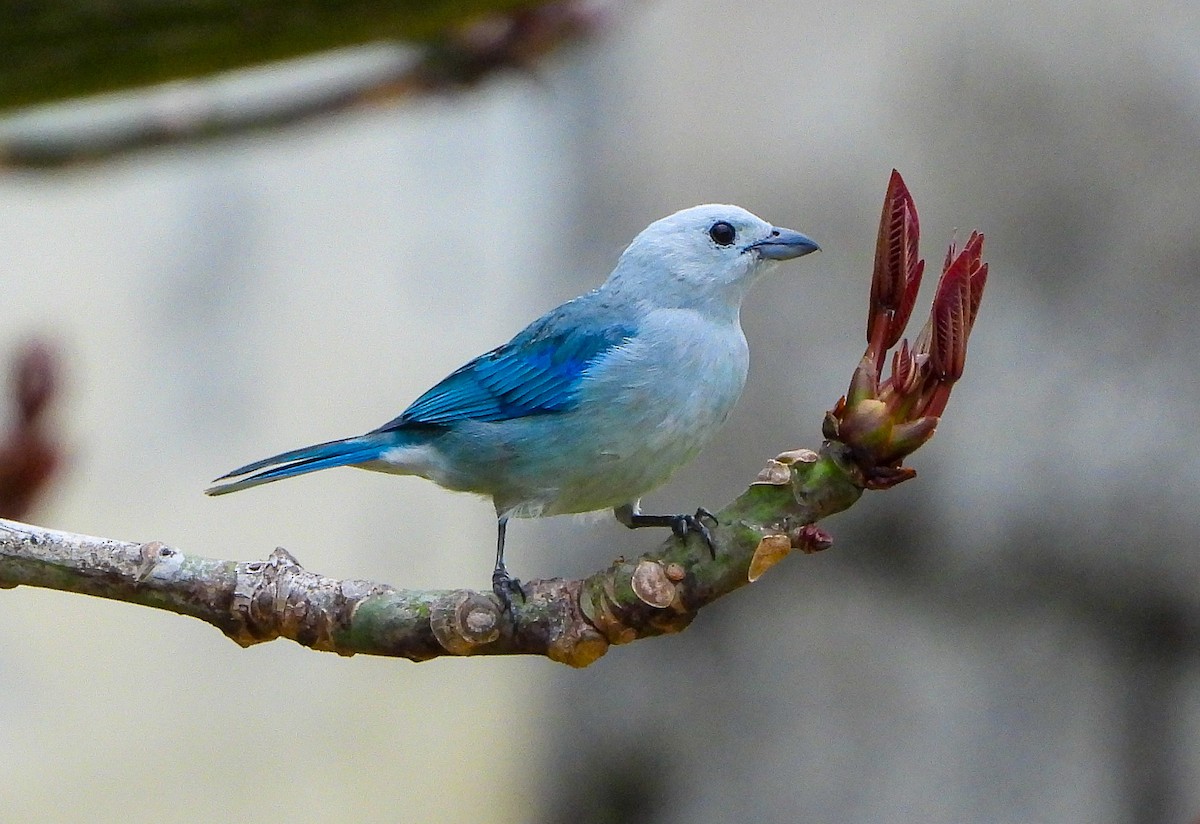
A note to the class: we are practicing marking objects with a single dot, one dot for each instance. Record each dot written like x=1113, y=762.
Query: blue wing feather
x=537, y=372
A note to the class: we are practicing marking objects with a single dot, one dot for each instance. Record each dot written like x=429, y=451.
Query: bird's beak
x=783, y=244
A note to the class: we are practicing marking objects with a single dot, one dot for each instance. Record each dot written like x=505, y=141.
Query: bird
x=593, y=404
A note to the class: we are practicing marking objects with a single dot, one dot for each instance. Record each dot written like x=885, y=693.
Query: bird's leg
x=682, y=525
x=504, y=585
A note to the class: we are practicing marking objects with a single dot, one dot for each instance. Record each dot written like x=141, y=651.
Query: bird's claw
x=505, y=586
x=684, y=525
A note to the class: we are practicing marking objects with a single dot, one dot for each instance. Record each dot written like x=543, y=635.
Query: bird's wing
x=536, y=372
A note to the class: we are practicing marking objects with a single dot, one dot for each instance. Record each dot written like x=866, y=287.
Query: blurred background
x=1012, y=637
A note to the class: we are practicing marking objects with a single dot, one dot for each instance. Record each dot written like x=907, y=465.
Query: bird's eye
x=722, y=233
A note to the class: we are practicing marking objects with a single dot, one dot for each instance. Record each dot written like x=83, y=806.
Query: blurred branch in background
x=870, y=432
x=56, y=49
x=29, y=455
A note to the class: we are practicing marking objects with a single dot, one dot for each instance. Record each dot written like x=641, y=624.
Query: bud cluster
x=883, y=420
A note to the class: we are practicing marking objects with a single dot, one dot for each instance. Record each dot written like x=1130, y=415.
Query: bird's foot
x=505, y=586
x=684, y=525
x=681, y=525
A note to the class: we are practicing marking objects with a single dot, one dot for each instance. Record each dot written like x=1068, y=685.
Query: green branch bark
x=572, y=621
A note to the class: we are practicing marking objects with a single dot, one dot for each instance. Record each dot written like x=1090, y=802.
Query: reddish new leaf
x=29, y=456
x=897, y=275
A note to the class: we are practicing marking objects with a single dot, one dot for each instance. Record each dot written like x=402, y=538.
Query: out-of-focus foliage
x=29, y=454
x=55, y=49
x=447, y=48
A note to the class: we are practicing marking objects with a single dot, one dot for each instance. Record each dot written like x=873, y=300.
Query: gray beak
x=783, y=244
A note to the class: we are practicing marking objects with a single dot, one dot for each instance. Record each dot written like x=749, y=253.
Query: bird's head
x=704, y=255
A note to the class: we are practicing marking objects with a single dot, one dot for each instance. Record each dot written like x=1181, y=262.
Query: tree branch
x=572, y=621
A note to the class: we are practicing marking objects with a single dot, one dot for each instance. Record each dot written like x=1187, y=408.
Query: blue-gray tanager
x=593, y=404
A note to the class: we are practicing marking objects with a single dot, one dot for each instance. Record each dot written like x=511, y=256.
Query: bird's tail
x=345, y=452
